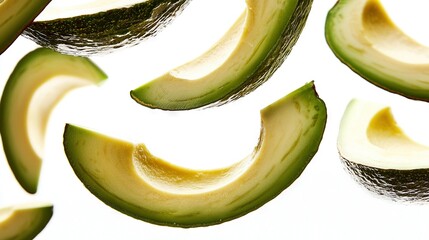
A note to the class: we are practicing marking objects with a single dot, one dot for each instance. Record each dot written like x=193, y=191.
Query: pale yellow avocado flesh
x=24, y=222
x=363, y=37
x=38, y=82
x=369, y=135
x=130, y=179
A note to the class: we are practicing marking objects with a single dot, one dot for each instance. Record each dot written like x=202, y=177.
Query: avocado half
x=243, y=59
x=100, y=27
x=15, y=15
x=38, y=82
x=362, y=36
x=128, y=178
x=25, y=221
x=380, y=156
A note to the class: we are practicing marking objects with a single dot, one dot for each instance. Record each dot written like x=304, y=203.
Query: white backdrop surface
x=324, y=203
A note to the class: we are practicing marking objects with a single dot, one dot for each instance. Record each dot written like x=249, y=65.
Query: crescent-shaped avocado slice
x=362, y=36
x=380, y=156
x=15, y=15
x=24, y=222
x=243, y=59
x=38, y=82
x=100, y=26
x=129, y=178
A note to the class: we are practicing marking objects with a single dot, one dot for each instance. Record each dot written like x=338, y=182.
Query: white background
x=324, y=203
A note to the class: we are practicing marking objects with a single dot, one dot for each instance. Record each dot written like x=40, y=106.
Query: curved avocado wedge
x=378, y=154
x=38, y=82
x=130, y=179
x=363, y=37
x=243, y=59
x=15, y=15
x=100, y=27
x=24, y=222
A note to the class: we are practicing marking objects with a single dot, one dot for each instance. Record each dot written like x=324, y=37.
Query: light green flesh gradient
x=22, y=223
x=362, y=36
x=227, y=66
x=128, y=178
x=38, y=82
x=369, y=135
x=15, y=15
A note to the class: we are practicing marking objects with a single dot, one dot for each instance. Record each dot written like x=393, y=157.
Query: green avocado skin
x=397, y=185
x=104, y=32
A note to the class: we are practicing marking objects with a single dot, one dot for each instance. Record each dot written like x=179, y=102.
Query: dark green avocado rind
x=256, y=73
x=390, y=83
x=314, y=134
x=26, y=64
x=12, y=27
x=104, y=32
x=397, y=185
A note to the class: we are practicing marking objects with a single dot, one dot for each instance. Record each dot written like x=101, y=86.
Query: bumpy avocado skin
x=103, y=32
x=397, y=185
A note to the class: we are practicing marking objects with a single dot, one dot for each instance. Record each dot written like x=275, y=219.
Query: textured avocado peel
x=380, y=157
x=363, y=37
x=161, y=193
x=106, y=31
x=397, y=185
x=260, y=49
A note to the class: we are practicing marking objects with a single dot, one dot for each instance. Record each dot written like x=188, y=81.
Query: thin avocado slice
x=380, y=156
x=38, y=82
x=243, y=59
x=161, y=193
x=15, y=15
x=363, y=37
x=24, y=221
x=100, y=27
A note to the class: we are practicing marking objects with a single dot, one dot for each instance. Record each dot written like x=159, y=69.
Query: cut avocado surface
x=38, y=82
x=380, y=156
x=100, y=27
x=362, y=36
x=24, y=222
x=15, y=15
x=128, y=178
x=243, y=59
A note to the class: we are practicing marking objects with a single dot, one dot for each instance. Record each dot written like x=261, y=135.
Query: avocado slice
x=15, y=15
x=128, y=178
x=38, y=82
x=24, y=221
x=100, y=27
x=363, y=37
x=380, y=156
x=243, y=59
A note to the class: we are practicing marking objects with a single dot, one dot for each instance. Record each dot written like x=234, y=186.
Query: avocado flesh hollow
x=257, y=44
x=377, y=153
x=24, y=222
x=15, y=15
x=131, y=180
x=38, y=82
x=84, y=31
x=362, y=36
